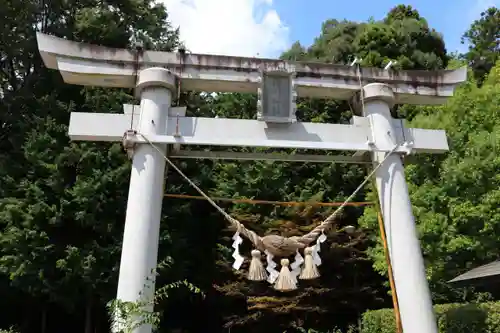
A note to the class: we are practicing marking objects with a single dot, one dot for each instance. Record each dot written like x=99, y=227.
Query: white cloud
x=229, y=27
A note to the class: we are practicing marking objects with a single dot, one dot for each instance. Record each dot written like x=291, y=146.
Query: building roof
x=488, y=270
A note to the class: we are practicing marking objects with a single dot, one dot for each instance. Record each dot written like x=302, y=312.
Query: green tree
x=483, y=38
x=61, y=204
x=403, y=35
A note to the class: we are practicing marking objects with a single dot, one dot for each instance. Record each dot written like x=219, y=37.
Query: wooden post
x=397, y=315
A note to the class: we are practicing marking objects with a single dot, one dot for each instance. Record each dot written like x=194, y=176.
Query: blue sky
x=266, y=28
x=450, y=17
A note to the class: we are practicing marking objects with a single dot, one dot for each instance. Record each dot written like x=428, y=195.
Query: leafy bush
x=452, y=318
x=351, y=329
x=10, y=330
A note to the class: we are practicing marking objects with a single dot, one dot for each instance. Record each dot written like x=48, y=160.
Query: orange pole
x=395, y=303
x=399, y=328
x=268, y=202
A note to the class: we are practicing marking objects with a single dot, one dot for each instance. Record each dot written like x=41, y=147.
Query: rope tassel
x=256, y=271
x=310, y=270
x=312, y=260
x=285, y=281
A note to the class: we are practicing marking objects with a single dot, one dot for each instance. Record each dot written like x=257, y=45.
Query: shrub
x=452, y=318
x=10, y=330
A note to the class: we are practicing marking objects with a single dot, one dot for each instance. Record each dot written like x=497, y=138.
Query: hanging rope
x=361, y=92
x=362, y=99
x=137, y=54
x=275, y=245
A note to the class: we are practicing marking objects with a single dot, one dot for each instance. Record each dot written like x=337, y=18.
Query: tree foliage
x=483, y=38
x=402, y=36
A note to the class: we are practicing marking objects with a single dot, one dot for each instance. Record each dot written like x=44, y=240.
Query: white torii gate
x=155, y=75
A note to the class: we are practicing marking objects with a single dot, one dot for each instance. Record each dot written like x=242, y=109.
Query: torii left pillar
x=142, y=223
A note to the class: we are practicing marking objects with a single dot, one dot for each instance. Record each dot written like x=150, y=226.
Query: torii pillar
x=412, y=289
x=142, y=222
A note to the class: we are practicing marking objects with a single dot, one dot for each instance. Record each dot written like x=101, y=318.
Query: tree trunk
x=88, y=315
x=44, y=319
x=27, y=318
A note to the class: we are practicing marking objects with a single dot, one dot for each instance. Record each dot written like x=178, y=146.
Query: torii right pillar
x=412, y=289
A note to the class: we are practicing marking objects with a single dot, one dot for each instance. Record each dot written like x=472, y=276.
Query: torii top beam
x=92, y=65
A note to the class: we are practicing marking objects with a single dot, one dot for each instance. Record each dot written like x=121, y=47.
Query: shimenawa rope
x=275, y=245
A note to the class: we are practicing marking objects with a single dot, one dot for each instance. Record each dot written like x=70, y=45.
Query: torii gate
x=155, y=75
